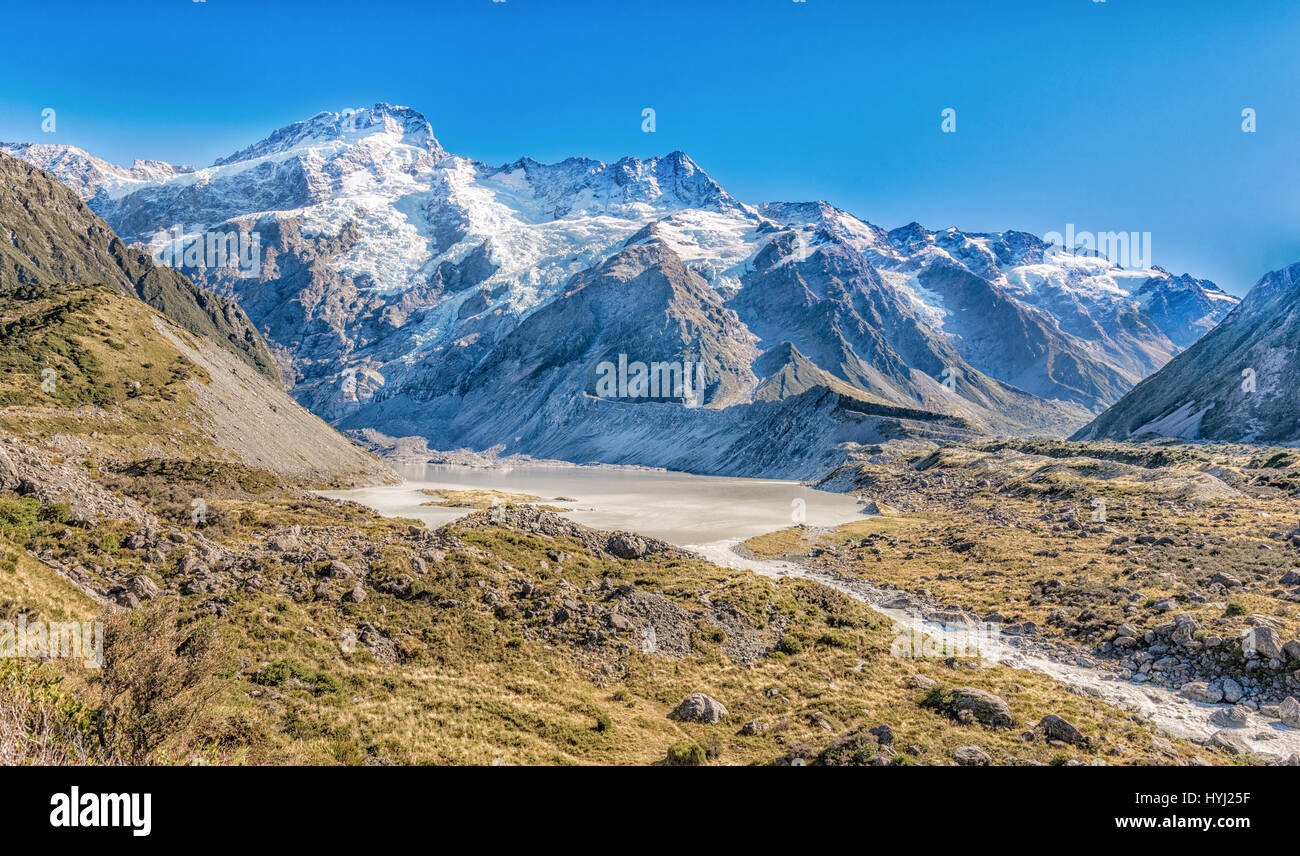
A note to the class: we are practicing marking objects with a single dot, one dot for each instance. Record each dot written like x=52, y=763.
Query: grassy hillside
x=454, y=654
x=101, y=376
x=65, y=350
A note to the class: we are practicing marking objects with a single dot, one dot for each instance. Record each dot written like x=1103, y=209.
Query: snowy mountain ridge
x=395, y=271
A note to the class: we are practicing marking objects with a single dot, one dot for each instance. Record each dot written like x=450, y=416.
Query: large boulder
x=625, y=545
x=1056, y=728
x=698, y=707
x=972, y=756
x=1262, y=642
x=339, y=570
x=983, y=706
x=1230, y=742
x=1289, y=712
x=143, y=587
x=1237, y=716
x=1200, y=691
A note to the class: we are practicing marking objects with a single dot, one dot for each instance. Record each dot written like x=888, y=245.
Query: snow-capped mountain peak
x=400, y=125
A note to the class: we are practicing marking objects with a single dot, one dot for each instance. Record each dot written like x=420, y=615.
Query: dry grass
x=27, y=586
x=476, y=690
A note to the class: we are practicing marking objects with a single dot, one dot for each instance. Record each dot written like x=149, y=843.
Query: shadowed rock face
x=54, y=238
x=1237, y=384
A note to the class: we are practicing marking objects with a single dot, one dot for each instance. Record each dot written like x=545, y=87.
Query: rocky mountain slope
x=1237, y=384
x=50, y=236
x=406, y=287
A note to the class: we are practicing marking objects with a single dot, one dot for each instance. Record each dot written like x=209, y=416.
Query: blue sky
x=1115, y=116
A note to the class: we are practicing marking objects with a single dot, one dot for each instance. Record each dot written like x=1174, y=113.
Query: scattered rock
x=698, y=707
x=1057, y=728
x=983, y=706
x=1262, y=642
x=624, y=545
x=1200, y=691
x=124, y=598
x=972, y=756
x=9, y=479
x=1289, y=712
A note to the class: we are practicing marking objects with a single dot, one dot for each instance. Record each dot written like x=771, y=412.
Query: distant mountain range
x=414, y=291
x=1238, y=384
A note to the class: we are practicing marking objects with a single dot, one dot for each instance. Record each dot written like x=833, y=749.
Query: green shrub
x=57, y=512
x=939, y=699
x=834, y=639
x=1235, y=609
x=790, y=644
x=686, y=754
x=19, y=518
x=278, y=674
x=44, y=724
x=275, y=674
x=108, y=543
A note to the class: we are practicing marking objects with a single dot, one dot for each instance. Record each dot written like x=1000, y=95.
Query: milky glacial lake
x=682, y=509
